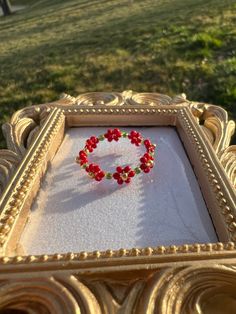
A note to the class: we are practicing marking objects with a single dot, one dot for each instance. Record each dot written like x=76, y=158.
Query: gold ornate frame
x=175, y=279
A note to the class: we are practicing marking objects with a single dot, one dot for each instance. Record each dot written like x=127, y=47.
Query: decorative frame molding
x=163, y=279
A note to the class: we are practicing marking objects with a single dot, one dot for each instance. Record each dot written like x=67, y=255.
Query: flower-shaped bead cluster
x=146, y=162
x=95, y=172
x=149, y=146
x=91, y=143
x=123, y=174
x=135, y=138
x=113, y=135
x=83, y=158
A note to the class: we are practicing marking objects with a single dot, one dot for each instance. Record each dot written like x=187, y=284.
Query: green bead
x=137, y=170
x=124, y=134
x=101, y=137
x=109, y=176
x=85, y=166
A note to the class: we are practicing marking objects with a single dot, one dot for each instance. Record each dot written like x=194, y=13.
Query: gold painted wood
x=145, y=283
x=197, y=278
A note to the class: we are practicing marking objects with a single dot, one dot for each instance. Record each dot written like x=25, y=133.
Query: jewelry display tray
x=75, y=213
x=53, y=217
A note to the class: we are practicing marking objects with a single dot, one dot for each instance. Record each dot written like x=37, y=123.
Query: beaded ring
x=122, y=174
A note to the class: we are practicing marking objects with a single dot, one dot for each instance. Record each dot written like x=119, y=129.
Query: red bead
x=127, y=180
x=143, y=160
x=131, y=174
x=97, y=178
x=96, y=168
x=119, y=169
x=116, y=175
x=101, y=174
x=93, y=138
x=109, y=139
x=91, y=167
x=89, y=148
x=143, y=166
x=151, y=148
x=82, y=153
x=127, y=169
x=84, y=161
x=146, y=170
x=147, y=142
x=120, y=181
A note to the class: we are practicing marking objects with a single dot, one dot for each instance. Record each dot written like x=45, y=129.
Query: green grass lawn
x=75, y=46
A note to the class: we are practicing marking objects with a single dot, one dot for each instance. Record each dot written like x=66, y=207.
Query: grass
x=76, y=46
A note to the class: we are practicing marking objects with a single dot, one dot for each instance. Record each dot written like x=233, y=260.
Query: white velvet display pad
x=74, y=213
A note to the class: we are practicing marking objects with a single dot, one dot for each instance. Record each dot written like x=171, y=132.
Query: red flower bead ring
x=122, y=174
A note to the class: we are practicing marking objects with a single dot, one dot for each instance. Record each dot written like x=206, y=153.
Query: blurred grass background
x=77, y=46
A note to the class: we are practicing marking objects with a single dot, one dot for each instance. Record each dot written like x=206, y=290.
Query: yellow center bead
x=124, y=176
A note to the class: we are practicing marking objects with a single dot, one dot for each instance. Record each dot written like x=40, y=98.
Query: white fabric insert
x=74, y=213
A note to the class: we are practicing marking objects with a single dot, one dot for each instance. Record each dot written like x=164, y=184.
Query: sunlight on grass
x=75, y=46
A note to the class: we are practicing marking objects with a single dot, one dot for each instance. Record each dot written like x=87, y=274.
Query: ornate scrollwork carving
x=219, y=130
x=117, y=297
x=214, y=119
x=104, y=99
x=8, y=163
x=199, y=290
x=47, y=295
x=121, y=99
x=20, y=132
x=208, y=288
x=228, y=160
x=23, y=127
